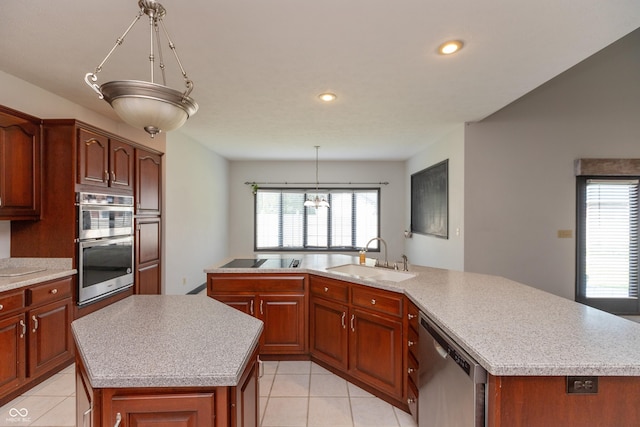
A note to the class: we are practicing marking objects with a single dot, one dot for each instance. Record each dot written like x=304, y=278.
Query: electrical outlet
x=582, y=385
x=184, y=281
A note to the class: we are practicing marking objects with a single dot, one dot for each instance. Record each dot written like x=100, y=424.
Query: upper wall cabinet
x=148, y=183
x=104, y=162
x=20, y=165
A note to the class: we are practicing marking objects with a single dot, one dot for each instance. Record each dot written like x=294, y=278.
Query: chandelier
x=148, y=105
x=316, y=202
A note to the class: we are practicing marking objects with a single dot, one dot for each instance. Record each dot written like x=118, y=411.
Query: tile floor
x=292, y=394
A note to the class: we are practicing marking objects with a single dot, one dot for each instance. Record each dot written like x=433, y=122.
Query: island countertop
x=166, y=341
x=511, y=329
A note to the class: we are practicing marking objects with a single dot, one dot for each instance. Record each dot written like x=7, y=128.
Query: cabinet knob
x=411, y=401
x=411, y=316
x=54, y=291
x=373, y=302
x=326, y=289
x=410, y=371
x=1, y=306
x=411, y=343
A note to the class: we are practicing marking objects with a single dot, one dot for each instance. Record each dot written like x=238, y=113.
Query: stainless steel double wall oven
x=105, y=245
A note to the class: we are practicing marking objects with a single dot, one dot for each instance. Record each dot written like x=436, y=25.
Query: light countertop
x=166, y=341
x=47, y=269
x=508, y=327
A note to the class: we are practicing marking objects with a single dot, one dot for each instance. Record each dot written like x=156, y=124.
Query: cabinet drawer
x=412, y=342
x=256, y=283
x=51, y=291
x=11, y=301
x=412, y=399
x=412, y=368
x=330, y=289
x=376, y=300
x=412, y=315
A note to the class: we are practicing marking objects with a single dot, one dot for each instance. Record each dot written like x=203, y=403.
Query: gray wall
x=519, y=181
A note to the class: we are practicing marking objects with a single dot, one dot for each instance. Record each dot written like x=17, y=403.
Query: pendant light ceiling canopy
x=317, y=202
x=148, y=105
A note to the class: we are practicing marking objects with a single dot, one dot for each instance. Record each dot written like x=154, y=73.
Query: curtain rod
x=315, y=183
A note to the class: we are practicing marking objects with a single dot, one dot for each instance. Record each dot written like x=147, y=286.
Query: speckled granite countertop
x=45, y=269
x=509, y=328
x=166, y=341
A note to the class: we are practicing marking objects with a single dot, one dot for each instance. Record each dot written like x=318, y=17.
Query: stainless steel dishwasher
x=451, y=384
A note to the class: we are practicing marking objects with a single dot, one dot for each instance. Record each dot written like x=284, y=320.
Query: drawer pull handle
x=326, y=289
x=373, y=302
x=54, y=291
x=251, y=308
x=24, y=328
x=261, y=310
x=344, y=325
x=84, y=416
x=411, y=343
x=1, y=306
x=35, y=323
x=353, y=329
x=411, y=316
x=118, y=420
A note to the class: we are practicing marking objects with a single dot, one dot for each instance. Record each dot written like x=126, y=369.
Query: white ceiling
x=258, y=65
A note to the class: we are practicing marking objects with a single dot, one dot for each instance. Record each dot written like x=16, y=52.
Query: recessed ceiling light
x=449, y=47
x=327, y=96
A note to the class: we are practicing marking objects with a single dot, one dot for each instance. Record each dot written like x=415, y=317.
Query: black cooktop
x=262, y=263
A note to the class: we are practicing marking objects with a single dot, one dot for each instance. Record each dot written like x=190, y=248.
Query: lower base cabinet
x=176, y=406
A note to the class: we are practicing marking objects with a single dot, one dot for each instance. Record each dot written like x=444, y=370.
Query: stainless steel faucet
x=366, y=248
x=405, y=263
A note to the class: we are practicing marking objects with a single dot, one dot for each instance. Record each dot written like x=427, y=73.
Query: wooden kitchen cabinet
x=279, y=300
x=358, y=330
x=412, y=358
x=104, y=161
x=35, y=334
x=148, y=183
x=20, y=165
x=148, y=256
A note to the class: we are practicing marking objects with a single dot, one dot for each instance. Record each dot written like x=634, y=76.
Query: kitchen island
x=530, y=342
x=173, y=359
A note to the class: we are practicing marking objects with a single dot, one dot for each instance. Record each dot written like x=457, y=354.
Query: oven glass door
x=105, y=266
x=105, y=221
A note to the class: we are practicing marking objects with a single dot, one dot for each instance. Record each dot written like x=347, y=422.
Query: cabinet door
x=375, y=351
x=328, y=332
x=188, y=410
x=93, y=158
x=148, y=183
x=19, y=169
x=244, y=303
x=12, y=351
x=121, y=162
x=49, y=336
x=284, y=324
x=245, y=400
x=148, y=242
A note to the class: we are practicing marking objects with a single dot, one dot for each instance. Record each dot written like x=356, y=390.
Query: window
x=282, y=222
x=607, y=276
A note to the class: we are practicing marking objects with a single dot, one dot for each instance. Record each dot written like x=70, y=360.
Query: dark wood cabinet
x=412, y=358
x=222, y=406
x=358, y=330
x=148, y=183
x=104, y=161
x=20, y=165
x=279, y=300
x=148, y=255
x=35, y=334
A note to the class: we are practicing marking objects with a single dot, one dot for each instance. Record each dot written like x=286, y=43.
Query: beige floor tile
x=62, y=415
x=355, y=391
x=269, y=367
x=290, y=386
x=57, y=385
x=294, y=367
x=28, y=410
x=328, y=385
x=265, y=384
x=372, y=412
x=329, y=412
x=263, y=406
x=317, y=369
x=71, y=369
x=404, y=419
x=286, y=412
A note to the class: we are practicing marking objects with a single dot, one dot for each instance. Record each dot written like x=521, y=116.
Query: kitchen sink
x=376, y=273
